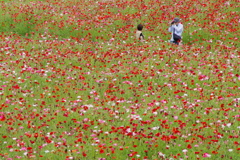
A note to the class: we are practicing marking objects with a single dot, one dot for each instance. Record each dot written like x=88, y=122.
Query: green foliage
x=6, y=23
x=81, y=77
x=130, y=10
x=19, y=26
x=33, y=22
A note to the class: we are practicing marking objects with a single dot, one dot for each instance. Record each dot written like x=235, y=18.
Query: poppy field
x=76, y=84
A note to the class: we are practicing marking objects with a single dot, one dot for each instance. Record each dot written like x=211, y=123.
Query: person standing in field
x=139, y=34
x=177, y=29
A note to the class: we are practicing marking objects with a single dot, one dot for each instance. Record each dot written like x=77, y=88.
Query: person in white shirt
x=177, y=29
x=139, y=34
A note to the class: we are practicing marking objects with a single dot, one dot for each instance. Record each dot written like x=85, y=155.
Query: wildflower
x=161, y=154
x=229, y=124
x=46, y=151
x=206, y=155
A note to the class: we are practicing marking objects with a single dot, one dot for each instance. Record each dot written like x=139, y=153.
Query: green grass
x=78, y=75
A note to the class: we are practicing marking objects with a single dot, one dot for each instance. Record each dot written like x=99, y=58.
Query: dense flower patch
x=76, y=85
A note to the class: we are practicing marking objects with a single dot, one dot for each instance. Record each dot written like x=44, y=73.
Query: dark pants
x=176, y=42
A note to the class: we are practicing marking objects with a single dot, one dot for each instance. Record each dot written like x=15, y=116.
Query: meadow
x=76, y=84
